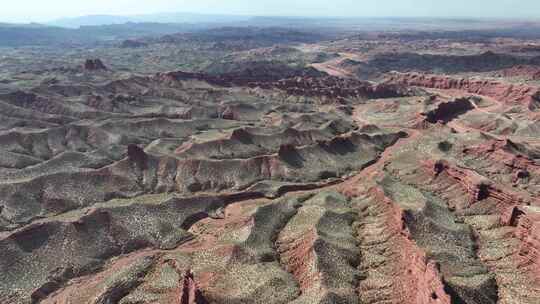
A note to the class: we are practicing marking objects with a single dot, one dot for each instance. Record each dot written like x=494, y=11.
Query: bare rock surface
x=267, y=165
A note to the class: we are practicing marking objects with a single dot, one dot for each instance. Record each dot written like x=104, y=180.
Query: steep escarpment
x=318, y=247
x=388, y=254
x=508, y=93
x=527, y=72
x=445, y=112
x=304, y=83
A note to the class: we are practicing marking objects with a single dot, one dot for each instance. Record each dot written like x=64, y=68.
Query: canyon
x=272, y=165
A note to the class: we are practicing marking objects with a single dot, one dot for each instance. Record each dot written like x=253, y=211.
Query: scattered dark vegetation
x=445, y=146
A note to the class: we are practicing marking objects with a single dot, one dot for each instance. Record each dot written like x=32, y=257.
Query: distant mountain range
x=97, y=20
x=88, y=30
x=15, y=35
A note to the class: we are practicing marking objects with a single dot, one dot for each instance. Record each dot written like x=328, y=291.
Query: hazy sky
x=43, y=10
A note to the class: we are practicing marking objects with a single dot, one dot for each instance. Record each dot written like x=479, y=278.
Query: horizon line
x=246, y=15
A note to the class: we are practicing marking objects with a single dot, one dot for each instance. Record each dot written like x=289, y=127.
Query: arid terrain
x=267, y=164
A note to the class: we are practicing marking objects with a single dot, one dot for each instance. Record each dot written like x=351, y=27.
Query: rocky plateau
x=272, y=165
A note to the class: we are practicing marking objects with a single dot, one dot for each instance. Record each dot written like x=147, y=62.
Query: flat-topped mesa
x=511, y=94
x=253, y=76
x=172, y=77
x=335, y=87
x=302, y=84
x=447, y=111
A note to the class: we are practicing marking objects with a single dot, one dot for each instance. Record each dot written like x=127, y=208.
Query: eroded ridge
x=272, y=166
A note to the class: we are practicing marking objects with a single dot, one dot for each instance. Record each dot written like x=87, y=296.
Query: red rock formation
x=414, y=278
x=298, y=258
x=529, y=72
x=475, y=185
x=505, y=92
x=301, y=85
x=188, y=291
x=528, y=232
x=478, y=187
x=501, y=152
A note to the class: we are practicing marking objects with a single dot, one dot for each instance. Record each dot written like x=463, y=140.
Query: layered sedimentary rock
x=303, y=84
x=527, y=72
x=269, y=182
x=526, y=220
x=505, y=92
